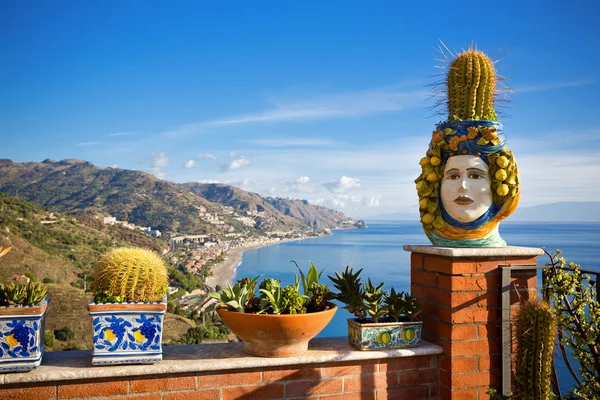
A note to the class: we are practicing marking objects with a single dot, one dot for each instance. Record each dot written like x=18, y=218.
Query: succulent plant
x=292, y=301
x=536, y=331
x=236, y=297
x=402, y=305
x=269, y=283
x=350, y=291
x=133, y=274
x=369, y=303
x=275, y=299
x=471, y=84
x=15, y=294
x=373, y=300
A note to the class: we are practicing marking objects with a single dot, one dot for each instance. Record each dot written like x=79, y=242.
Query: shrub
x=31, y=276
x=49, y=338
x=65, y=334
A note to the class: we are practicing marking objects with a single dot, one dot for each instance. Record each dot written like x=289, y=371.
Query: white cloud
x=342, y=185
x=207, y=155
x=157, y=172
x=189, y=164
x=85, y=144
x=159, y=159
x=232, y=154
x=346, y=201
x=303, y=179
x=235, y=164
x=333, y=106
x=115, y=166
x=122, y=133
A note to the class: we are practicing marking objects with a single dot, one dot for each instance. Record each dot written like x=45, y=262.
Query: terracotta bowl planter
x=276, y=335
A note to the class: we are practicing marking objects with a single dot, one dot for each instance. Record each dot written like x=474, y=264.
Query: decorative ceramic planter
x=384, y=335
x=22, y=337
x=266, y=335
x=127, y=333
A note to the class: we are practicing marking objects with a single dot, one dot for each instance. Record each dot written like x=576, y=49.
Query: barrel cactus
x=471, y=83
x=536, y=331
x=131, y=274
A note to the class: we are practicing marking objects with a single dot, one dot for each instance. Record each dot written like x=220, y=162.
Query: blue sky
x=325, y=101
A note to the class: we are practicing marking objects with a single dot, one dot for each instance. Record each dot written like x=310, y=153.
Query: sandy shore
x=223, y=273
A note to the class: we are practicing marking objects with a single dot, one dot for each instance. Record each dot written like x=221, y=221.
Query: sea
x=378, y=250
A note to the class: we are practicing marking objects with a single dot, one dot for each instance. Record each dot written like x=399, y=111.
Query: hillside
x=61, y=250
x=78, y=187
x=57, y=247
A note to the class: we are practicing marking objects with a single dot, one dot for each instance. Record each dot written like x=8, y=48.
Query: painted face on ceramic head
x=466, y=188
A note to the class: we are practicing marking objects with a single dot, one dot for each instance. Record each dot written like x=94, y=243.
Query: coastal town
x=215, y=256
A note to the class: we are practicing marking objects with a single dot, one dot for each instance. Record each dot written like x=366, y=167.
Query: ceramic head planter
x=469, y=180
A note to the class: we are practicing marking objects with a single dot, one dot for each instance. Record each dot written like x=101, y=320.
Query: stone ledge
x=475, y=252
x=77, y=365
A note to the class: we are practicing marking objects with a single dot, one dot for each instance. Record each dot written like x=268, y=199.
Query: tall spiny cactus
x=471, y=84
x=536, y=332
x=135, y=274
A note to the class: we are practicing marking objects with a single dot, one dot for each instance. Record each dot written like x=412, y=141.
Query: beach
x=224, y=272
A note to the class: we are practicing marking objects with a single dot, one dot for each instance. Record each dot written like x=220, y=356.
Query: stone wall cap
x=77, y=365
x=470, y=252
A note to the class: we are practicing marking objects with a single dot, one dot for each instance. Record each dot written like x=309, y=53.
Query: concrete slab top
x=474, y=252
x=77, y=365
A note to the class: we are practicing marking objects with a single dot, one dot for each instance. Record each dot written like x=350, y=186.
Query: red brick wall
x=461, y=312
x=413, y=378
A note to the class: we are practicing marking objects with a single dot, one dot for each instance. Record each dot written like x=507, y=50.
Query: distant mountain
x=76, y=186
x=554, y=212
x=559, y=212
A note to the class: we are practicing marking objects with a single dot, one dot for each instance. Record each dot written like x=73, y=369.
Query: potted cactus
x=382, y=320
x=130, y=286
x=22, y=320
x=280, y=321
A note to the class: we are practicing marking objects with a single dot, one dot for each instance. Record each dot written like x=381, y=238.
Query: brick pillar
x=459, y=290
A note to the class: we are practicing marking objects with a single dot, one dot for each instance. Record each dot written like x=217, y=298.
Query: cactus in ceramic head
x=132, y=274
x=536, y=330
x=471, y=84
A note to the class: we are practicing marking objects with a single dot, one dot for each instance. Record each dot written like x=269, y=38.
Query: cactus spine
x=132, y=273
x=471, y=84
x=536, y=331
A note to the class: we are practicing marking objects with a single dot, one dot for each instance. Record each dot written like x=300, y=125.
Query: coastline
x=224, y=272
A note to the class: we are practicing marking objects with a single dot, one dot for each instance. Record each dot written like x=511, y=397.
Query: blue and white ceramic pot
x=384, y=335
x=127, y=333
x=22, y=336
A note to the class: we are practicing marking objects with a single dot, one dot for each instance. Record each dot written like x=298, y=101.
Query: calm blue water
x=378, y=250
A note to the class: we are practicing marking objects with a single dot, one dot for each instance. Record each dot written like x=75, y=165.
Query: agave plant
x=370, y=303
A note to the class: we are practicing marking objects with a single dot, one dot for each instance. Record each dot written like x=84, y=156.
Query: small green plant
x=64, y=334
x=573, y=296
x=536, y=332
x=15, y=294
x=236, y=297
x=130, y=274
x=274, y=299
x=494, y=395
x=31, y=276
x=370, y=303
x=49, y=338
